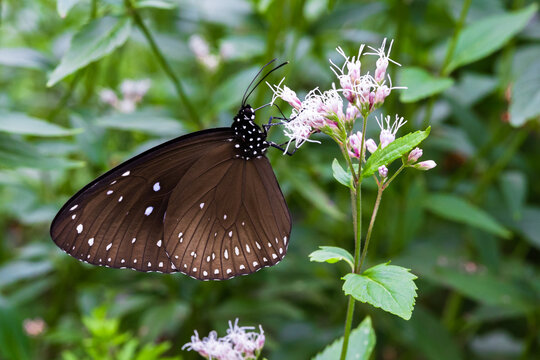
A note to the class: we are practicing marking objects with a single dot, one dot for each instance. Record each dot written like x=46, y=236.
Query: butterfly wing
x=227, y=218
x=117, y=220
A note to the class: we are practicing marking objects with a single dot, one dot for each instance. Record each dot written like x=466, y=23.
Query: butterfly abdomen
x=250, y=138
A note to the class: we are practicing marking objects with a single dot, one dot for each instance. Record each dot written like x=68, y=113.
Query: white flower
x=238, y=344
x=388, y=130
x=285, y=94
x=108, y=96
x=201, y=49
x=382, y=61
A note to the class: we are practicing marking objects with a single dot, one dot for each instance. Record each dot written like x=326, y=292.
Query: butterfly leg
x=280, y=147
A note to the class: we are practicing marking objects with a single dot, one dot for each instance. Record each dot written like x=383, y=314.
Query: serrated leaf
x=63, y=6
x=393, y=151
x=486, y=36
x=142, y=121
x=384, y=286
x=24, y=58
x=156, y=4
x=94, y=41
x=342, y=176
x=361, y=344
x=421, y=84
x=454, y=208
x=19, y=123
x=331, y=254
x=18, y=154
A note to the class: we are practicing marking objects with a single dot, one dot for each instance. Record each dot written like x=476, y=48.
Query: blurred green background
x=470, y=228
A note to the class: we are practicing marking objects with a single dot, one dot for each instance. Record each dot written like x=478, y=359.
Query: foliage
x=468, y=228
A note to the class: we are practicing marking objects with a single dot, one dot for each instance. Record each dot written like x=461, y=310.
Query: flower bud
x=355, y=143
x=371, y=146
x=386, y=138
x=425, y=165
x=289, y=96
x=383, y=171
x=380, y=71
x=108, y=96
x=352, y=113
x=415, y=155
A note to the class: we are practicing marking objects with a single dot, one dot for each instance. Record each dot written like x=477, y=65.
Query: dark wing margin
x=117, y=220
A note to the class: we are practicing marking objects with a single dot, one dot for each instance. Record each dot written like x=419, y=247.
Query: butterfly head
x=250, y=139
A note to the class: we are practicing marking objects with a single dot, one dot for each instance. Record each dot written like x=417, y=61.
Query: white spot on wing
x=236, y=250
x=133, y=240
x=109, y=192
x=247, y=248
x=91, y=241
x=120, y=198
x=108, y=247
x=156, y=186
x=73, y=207
x=255, y=263
x=285, y=240
x=274, y=256
x=229, y=271
x=126, y=173
x=148, y=210
x=226, y=254
x=225, y=217
x=216, y=271
x=201, y=205
x=205, y=273
x=73, y=217
x=160, y=264
x=149, y=264
x=230, y=233
x=158, y=243
x=79, y=228
x=242, y=267
x=258, y=245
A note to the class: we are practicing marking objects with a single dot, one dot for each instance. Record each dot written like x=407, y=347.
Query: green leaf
x=514, y=190
x=530, y=226
x=142, y=121
x=489, y=289
x=19, y=123
x=63, y=6
x=24, y=58
x=14, y=344
x=525, y=103
x=361, y=344
x=94, y=41
x=486, y=36
x=454, y=208
x=21, y=270
x=156, y=4
x=18, y=154
x=331, y=254
x=421, y=84
x=342, y=176
x=393, y=151
x=384, y=286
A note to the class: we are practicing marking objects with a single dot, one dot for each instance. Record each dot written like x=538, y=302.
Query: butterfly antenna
x=244, y=98
x=262, y=79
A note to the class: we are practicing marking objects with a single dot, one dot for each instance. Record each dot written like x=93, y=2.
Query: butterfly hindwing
x=221, y=220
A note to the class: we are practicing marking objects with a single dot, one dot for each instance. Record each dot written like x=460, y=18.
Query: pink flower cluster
x=132, y=93
x=238, y=344
x=324, y=111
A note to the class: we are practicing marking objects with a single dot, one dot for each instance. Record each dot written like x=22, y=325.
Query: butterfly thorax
x=250, y=138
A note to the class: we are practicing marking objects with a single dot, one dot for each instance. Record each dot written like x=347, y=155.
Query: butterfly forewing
x=117, y=220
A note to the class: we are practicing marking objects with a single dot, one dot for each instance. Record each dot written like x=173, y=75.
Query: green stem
x=453, y=42
x=164, y=64
x=370, y=228
x=348, y=325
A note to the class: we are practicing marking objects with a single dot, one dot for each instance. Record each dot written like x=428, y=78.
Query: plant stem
x=164, y=64
x=453, y=42
x=348, y=325
x=370, y=228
